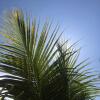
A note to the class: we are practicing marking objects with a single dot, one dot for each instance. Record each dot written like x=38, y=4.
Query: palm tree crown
x=38, y=67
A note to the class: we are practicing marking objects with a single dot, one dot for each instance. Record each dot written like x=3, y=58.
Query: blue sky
x=79, y=18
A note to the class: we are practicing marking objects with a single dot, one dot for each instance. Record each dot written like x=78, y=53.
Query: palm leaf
x=38, y=66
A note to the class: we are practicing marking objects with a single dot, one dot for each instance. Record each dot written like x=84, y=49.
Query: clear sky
x=79, y=18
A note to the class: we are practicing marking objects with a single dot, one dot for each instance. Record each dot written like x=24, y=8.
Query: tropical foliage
x=38, y=66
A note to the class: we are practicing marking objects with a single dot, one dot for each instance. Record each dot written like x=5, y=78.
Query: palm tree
x=38, y=66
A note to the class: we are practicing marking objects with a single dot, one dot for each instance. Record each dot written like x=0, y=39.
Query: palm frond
x=38, y=66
